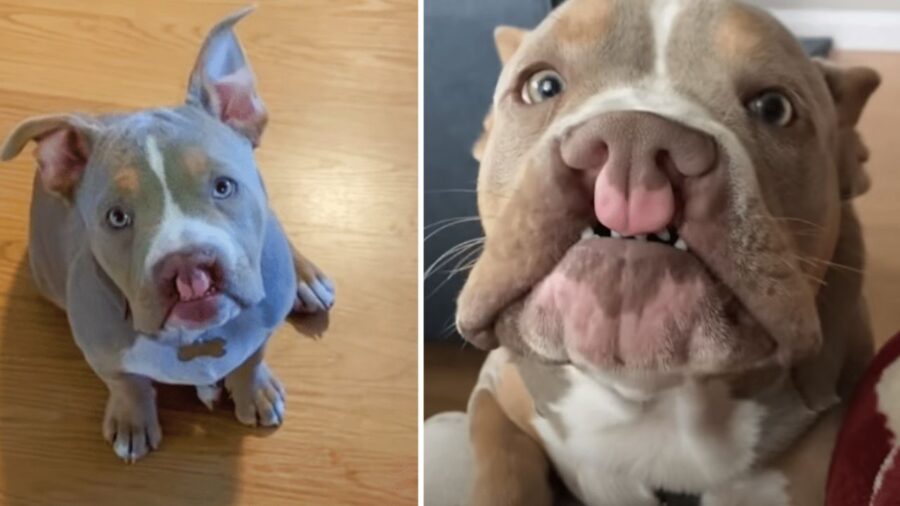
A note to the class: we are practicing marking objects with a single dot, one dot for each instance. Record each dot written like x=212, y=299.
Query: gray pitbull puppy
x=152, y=231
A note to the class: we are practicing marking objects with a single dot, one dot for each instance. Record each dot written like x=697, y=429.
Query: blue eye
x=118, y=218
x=224, y=187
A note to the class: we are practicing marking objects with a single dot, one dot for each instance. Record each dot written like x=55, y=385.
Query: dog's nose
x=633, y=159
x=187, y=275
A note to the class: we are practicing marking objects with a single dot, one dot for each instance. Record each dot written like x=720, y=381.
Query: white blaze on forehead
x=155, y=159
x=663, y=14
x=177, y=231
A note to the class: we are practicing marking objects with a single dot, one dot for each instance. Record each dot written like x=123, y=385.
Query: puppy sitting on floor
x=152, y=231
x=672, y=264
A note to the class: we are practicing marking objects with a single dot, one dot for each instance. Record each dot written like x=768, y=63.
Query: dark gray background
x=461, y=68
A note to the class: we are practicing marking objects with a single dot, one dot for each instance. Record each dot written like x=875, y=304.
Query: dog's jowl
x=671, y=270
x=152, y=230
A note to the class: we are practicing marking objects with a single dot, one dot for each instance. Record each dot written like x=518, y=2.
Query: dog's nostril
x=663, y=160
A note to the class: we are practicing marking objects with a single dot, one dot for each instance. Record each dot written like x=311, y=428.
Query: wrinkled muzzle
x=633, y=241
x=202, y=283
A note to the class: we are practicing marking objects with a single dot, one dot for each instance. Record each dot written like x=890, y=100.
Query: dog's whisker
x=448, y=224
x=453, y=190
x=457, y=269
x=828, y=263
x=451, y=254
x=798, y=221
x=473, y=251
x=798, y=270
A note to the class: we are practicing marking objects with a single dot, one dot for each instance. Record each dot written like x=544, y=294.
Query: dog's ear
x=63, y=148
x=223, y=84
x=850, y=89
x=508, y=39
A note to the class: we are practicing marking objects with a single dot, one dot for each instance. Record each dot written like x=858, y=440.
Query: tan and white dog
x=672, y=267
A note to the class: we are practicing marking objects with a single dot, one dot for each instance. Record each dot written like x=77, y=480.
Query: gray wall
x=829, y=4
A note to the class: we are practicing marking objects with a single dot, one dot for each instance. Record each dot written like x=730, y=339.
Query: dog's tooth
x=680, y=244
x=615, y=235
x=587, y=233
x=664, y=236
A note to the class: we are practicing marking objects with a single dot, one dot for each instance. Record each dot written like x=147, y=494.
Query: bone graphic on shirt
x=203, y=348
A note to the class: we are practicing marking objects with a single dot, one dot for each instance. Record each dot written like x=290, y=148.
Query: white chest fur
x=164, y=363
x=609, y=446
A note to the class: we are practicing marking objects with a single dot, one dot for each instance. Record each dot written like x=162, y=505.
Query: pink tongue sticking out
x=638, y=210
x=192, y=284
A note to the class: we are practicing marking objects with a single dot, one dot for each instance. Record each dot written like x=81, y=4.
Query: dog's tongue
x=192, y=284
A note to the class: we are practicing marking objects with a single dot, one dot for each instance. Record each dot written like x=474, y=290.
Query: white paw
x=209, y=395
x=258, y=397
x=314, y=296
x=766, y=487
x=131, y=426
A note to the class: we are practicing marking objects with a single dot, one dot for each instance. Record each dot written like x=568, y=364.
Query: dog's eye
x=542, y=86
x=773, y=108
x=118, y=218
x=224, y=187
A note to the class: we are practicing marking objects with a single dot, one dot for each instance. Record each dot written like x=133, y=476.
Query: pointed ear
x=223, y=84
x=850, y=89
x=64, y=144
x=508, y=39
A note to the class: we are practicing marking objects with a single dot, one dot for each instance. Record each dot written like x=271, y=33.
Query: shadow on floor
x=51, y=449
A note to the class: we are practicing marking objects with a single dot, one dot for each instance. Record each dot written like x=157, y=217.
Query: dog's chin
x=187, y=320
x=635, y=307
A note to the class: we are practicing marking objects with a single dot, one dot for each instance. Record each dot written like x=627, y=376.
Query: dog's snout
x=187, y=275
x=634, y=159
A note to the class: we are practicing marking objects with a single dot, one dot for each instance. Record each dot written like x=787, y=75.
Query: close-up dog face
x=171, y=198
x=661, y=188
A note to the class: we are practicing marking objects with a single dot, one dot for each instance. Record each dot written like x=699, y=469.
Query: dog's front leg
x=315, y=291
x=130, y=422
x=511, y=469
x=258, y=395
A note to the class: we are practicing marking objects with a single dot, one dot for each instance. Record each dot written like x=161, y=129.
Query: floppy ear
x=223, y=84
x=63, y=149
x=850, y=89
x=508, y=39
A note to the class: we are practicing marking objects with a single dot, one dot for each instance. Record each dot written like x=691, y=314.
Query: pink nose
x=636, y=157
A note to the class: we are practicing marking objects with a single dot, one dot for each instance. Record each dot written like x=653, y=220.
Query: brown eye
x=542, y=86
x=773, y=108
x=118, y=218
x=224, y=187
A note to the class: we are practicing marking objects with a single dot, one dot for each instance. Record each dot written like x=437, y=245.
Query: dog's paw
x=209, y=395
x=315, y=291
x=258, y=397
x=131, y=425
x=315, y=296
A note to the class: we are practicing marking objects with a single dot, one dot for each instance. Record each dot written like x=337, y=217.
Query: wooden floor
x=450, y=369
x=339, y=159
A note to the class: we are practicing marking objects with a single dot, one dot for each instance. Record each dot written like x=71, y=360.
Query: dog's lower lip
x=556, y=297
x=188, y=305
